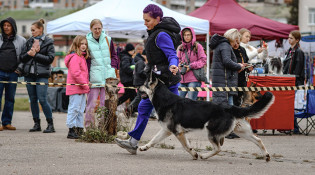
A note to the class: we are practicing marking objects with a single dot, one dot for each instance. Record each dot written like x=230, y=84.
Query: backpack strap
x=110, y=54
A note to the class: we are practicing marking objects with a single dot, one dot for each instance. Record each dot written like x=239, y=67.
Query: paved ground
x=22, y=152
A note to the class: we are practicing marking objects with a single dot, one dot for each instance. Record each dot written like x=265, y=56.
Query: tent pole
x=208, y=65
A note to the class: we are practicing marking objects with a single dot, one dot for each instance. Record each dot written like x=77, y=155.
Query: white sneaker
x=126, y=145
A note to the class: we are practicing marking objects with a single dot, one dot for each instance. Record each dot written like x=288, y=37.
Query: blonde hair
x=95, y=21
x=243, y=30
x=75, y=46
x=232, y=34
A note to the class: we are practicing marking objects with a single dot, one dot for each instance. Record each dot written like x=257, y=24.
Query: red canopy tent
x=227, y=14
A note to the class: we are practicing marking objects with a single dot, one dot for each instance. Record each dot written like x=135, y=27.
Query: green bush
x=98, y=133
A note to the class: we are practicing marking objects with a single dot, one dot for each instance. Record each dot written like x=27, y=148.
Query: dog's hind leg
x=183, y=140
x=215, y=141
x=244, y=130
x=162, y=134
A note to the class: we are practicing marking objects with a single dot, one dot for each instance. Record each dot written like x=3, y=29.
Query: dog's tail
x=256, y=110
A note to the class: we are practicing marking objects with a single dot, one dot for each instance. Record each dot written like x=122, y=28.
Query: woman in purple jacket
x=162, y=59
x=196, y=59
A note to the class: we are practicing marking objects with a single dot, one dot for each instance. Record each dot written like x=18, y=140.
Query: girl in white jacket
x=255, y=55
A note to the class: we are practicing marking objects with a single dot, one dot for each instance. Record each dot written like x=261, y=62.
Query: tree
x=294, y=18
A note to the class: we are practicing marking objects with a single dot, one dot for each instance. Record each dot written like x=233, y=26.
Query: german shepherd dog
x=179, y=115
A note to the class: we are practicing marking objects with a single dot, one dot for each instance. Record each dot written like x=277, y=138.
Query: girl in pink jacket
x=77, y=74
x=196, y=59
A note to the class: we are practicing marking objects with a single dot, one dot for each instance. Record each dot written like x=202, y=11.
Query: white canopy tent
x=120, y=18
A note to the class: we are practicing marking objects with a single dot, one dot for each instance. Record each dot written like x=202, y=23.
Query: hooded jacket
x=139, y=75
x=224, y=68
x=125, y=72
x=41, y=61
x=197, y=56
x=18, y=40
x=161, y=59
x=77, y=74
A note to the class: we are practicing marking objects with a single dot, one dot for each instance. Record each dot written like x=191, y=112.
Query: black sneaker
x=126, y=145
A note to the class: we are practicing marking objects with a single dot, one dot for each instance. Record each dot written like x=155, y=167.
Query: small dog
x=179, y=115
x=275, y=66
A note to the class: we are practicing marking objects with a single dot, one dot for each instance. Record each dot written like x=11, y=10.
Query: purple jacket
x=198, y=58
x=77, y=74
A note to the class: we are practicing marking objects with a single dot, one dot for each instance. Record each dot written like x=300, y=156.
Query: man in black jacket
x=10, y=49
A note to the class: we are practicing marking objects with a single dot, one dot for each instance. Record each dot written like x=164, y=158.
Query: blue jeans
x=10, y=89
x=75, y=117
x=191, y=94
x=144, y=110
x=38, y=93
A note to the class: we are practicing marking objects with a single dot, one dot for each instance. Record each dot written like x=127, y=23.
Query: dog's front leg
x=182, y=138
x=162, y=134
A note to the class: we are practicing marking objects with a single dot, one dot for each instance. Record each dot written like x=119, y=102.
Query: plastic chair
x=307, y=112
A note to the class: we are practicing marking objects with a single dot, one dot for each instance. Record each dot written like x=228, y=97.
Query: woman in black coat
x=225, y=67
x=294, y=64
x=241, y=57
x=37, y=56
x=294, y=61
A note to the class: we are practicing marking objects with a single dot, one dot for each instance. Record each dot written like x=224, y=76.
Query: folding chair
x=306, y=113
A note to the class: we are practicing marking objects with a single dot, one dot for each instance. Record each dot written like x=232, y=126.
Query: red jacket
x=77, y=74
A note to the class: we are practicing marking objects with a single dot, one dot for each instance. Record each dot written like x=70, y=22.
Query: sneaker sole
x=131, y=151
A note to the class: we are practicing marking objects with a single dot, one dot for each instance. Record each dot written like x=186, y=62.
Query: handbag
x=198, y=73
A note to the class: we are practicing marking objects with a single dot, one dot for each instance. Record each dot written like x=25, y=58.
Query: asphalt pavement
x=22, y=152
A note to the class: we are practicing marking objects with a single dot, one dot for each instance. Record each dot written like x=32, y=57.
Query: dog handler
x=162, y=60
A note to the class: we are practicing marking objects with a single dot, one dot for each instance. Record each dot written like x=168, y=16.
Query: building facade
x=53, y=4
x=307, y=16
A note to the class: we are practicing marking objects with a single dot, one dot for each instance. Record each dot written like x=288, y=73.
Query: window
x=24, y=29
x=311, y=16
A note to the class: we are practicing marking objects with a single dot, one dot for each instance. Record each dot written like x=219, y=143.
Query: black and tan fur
x=179, y=115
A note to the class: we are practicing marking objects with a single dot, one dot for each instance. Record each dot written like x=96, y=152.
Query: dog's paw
x=143, y=148
x=267, y=158
x=195, y=156
x=202, y=157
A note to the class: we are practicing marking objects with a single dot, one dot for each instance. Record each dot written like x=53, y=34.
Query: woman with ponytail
x=37, y=56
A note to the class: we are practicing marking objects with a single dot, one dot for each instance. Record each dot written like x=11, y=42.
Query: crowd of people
x=92, y=59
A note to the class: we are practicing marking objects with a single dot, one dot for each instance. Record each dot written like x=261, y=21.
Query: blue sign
x=310, y=38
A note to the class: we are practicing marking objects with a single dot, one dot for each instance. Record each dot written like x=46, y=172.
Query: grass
x=31, y=14
x=21, y=104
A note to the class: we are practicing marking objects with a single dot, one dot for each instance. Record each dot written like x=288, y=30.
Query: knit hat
x=129, y=47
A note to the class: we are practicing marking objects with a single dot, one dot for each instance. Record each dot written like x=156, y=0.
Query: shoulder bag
x=198, y=73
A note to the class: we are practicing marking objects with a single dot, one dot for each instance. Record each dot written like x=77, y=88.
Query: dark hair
x=154, y=11
x=39, y=24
